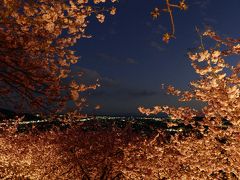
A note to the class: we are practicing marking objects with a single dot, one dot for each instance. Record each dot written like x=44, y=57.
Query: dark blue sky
x=127, y=55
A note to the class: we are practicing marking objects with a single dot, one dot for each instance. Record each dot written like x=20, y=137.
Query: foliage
x=35, y=57
x=215, y=155
x=35, y=61
x=168, y=8
x=91, y=151
x=218, y=85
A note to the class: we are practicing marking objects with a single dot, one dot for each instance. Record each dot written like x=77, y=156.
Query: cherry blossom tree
x=36, y=59
x=218, y=86
x=35, y=55
x=167, y=6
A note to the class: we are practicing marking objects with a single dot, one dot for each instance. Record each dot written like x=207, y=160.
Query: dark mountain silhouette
x=10, y=114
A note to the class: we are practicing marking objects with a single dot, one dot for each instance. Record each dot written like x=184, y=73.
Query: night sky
x=127, y=55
